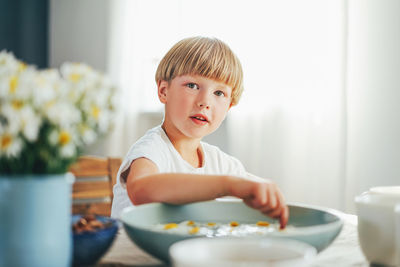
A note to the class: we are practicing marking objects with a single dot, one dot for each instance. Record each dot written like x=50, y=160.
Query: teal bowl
x=315, y=225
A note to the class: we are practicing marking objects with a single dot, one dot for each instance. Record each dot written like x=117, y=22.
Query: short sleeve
x=236, y=167
x=219, y=162
x=150, y=149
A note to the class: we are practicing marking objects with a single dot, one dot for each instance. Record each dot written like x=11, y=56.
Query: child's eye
x=192, y=86
x=219, y=93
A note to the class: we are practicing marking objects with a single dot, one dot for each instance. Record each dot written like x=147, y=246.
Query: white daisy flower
x=30, y=123
x=88, y=135
x=10, y=145
x=11, y=111
x=69, y=108
x=63, y=114
x=8, y=64
x=53, y=137
x=68, y=151
x=65, y=139
x=45, y=84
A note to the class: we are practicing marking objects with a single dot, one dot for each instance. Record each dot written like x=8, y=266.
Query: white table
x=343, y=252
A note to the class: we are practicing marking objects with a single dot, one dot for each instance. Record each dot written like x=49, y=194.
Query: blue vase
x=35, y=220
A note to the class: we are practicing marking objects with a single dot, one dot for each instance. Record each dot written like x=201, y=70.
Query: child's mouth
x=199, y=120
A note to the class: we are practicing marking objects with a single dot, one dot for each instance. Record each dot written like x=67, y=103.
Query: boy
x=198, y=81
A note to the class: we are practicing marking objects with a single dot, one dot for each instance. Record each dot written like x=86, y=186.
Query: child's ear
x=162, y=91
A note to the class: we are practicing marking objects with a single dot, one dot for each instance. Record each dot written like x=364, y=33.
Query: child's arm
x=145, y=185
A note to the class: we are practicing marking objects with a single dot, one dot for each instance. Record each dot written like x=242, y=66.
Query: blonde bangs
x=207, y=57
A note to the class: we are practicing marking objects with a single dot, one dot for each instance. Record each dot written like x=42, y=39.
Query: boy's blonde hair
x=207, y=57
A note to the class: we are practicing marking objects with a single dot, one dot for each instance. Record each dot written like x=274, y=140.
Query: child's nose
x=203, y=101
x=206, y=106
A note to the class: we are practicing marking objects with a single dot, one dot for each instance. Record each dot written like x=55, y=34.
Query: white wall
x=79, y=32
x=373, y=99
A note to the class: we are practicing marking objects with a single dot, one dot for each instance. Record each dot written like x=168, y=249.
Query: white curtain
x=292, y=124
x=373, y=95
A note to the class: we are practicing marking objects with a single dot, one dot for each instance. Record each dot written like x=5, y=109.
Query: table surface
x=344, y=251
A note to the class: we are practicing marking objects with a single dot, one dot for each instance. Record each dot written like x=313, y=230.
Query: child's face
x=195, y=106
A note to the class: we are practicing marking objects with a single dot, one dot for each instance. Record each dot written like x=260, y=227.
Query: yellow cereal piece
x=189, y=223
x=211, y=224
x=170, y=226
x=234, y=224
x=262, y=223
x=194, y=230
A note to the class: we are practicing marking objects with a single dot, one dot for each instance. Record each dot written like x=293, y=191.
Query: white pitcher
x=397, y=214
x=378, y=213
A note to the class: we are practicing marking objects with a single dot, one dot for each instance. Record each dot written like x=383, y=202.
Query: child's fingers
x=266, y=198
x=252, y=202
x=248, y=202
x=270, y=201
x=259, y=198
x=273, y=201
x=282, y=213
x=284, y=217
x=268, y=210
x=262, y=196
x=276, y=213
x=281, y=197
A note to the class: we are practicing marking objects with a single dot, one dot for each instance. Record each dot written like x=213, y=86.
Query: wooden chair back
x=93, y=188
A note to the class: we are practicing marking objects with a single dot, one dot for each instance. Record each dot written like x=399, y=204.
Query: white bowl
x=234, y=252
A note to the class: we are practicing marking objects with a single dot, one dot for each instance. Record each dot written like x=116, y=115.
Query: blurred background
x=319, y=114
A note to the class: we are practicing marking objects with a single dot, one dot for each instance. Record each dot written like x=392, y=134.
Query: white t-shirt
x=156, y=146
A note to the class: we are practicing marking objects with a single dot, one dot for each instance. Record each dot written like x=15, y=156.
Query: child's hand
x=263, y=196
